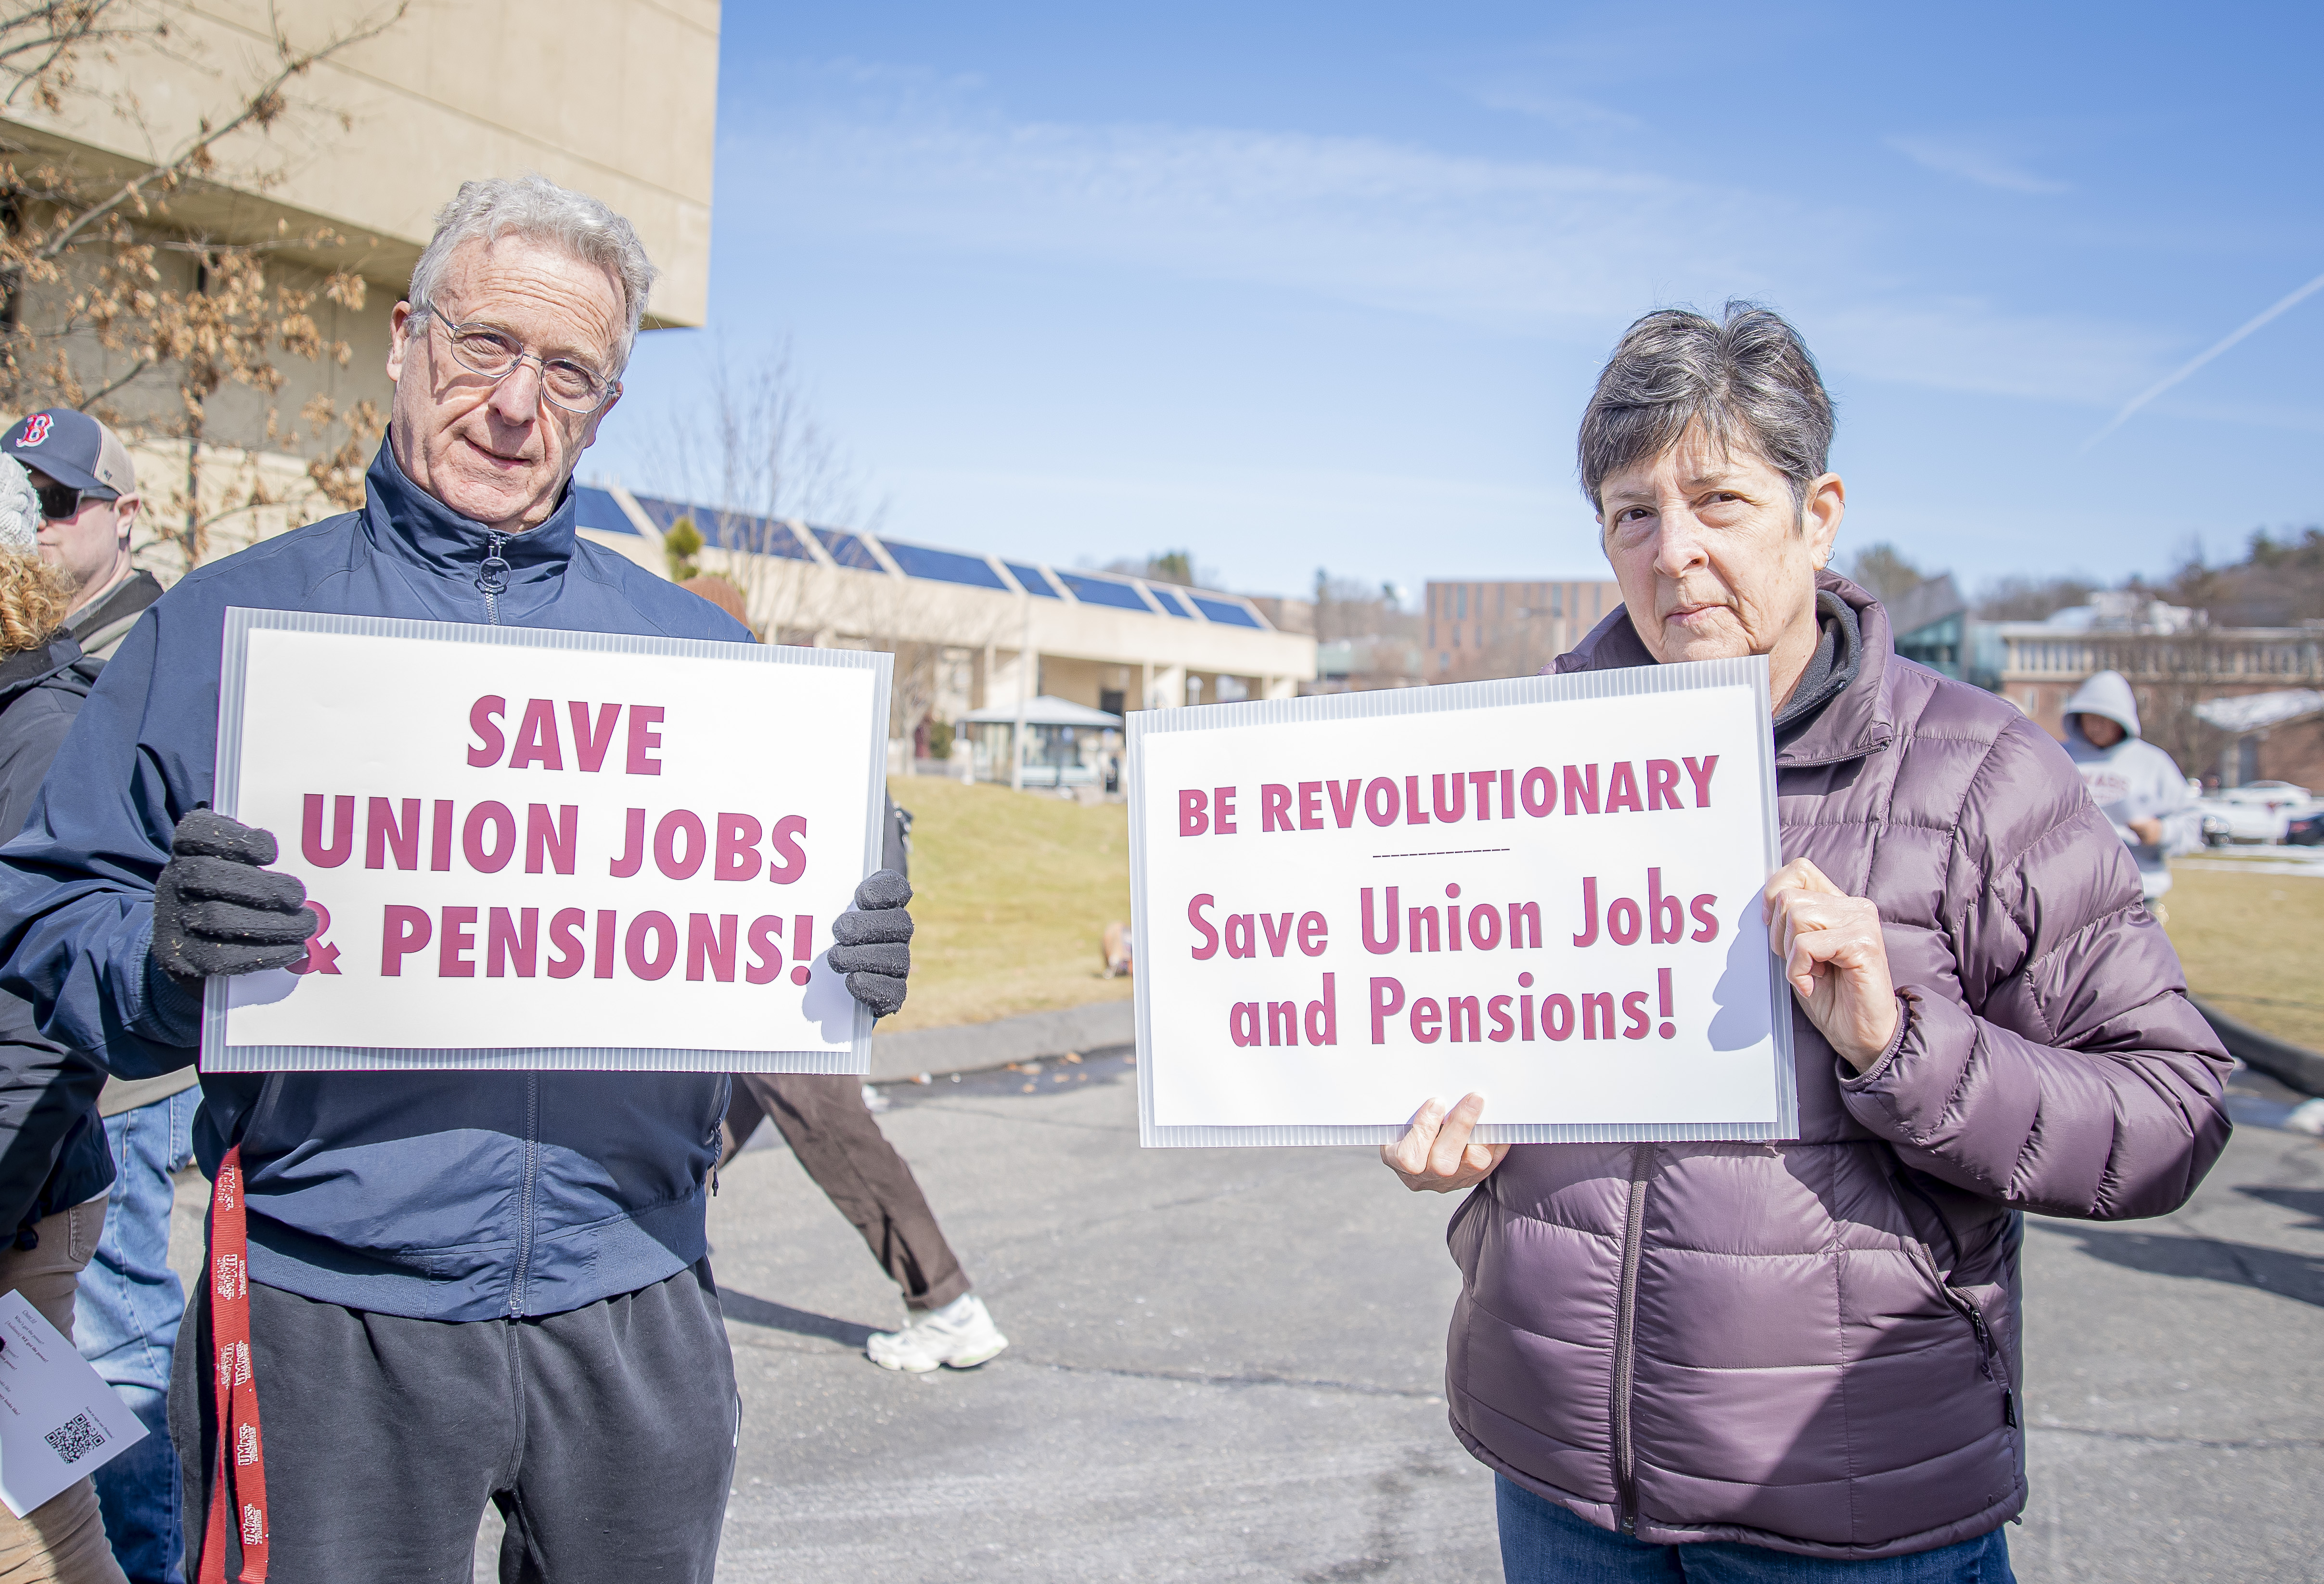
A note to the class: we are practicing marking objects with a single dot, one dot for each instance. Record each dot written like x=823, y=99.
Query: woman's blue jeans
x=1542, y=1544
x=125, y=1323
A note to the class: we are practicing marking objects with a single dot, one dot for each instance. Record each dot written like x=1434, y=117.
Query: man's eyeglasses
x=494, y=354
x=62, y=503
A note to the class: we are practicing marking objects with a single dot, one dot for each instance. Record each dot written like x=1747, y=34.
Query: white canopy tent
x=1066, y=744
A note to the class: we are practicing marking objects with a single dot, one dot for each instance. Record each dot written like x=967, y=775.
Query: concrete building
x=617, y=98
x=1509, y=629
x=972, y=632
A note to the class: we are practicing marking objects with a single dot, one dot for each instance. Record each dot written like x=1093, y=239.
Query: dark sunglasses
x=62, y=503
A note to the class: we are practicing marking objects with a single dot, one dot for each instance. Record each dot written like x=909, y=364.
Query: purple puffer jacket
x=1814, y=1346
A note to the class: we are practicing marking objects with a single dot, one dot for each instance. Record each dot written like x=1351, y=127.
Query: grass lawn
x=2251, y=945
x=1012, y=893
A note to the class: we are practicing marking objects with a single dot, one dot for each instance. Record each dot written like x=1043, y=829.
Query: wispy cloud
x=1972, y=160
x=1569, y=249
x=1562, y=111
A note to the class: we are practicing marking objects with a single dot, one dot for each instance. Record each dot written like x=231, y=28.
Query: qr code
x=76, y=1438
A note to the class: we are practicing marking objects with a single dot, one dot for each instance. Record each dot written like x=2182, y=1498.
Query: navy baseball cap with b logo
x=73, y=449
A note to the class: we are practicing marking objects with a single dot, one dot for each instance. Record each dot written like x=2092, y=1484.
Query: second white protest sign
x=1544, y=889
x=534, y=848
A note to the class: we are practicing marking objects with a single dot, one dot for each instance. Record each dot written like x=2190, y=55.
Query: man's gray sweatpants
x=606, y=1436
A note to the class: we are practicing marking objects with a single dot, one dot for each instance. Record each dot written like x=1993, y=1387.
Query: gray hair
x=538, y=209
x=1748, y=380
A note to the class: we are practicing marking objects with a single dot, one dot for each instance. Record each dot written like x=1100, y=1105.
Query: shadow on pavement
x=2306, y=1202
x=2297, y=1277
x=800, y=1322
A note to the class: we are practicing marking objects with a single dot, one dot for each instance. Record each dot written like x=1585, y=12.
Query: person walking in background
x=837, y=1142
x=54, y=1167
x=1800, y=1359
x=89, y=506
x=126, y=1320
x=2139, y=788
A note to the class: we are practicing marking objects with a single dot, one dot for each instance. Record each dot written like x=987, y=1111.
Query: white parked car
x=2256, y=810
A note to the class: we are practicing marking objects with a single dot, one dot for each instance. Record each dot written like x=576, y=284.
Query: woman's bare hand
x=1434, y=1155
x=1834, y=959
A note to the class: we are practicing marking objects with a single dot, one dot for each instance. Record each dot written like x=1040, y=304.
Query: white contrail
x=2144, y=397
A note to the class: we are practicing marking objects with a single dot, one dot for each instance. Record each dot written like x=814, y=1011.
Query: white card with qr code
x=58, y=1418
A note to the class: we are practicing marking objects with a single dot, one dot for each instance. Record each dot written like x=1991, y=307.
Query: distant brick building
x=1509, y=629
x=2041, y=665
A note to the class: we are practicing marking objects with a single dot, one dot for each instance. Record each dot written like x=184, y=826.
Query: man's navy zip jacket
x=439, y=1195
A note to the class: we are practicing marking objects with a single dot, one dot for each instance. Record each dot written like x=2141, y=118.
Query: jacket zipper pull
x=1985, y=1348
x=492, y=577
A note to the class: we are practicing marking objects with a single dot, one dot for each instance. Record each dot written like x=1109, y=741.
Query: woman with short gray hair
x=1800, y=1360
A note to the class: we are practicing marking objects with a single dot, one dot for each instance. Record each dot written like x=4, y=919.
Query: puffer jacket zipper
x=492, y=577
x=1625, y=1316
x=1989, y=1361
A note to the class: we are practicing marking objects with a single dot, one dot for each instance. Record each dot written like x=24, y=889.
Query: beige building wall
x=617, y=98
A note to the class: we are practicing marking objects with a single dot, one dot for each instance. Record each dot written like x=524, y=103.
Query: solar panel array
x=767, y=535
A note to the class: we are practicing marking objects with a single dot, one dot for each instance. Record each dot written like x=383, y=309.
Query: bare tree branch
x=262, y=107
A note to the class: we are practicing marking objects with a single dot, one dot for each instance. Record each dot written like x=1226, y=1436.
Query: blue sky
x=1304, y=285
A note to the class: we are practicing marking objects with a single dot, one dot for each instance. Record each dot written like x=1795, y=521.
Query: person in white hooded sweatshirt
x=2135, y=784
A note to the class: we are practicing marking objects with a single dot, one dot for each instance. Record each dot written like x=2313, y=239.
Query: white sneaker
x=961, y=1334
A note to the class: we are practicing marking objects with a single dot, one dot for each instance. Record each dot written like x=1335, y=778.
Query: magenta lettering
x=655, y=961
x=536, y=738
x=402, y=931
x=738, y=848
x=1210, y=946
x=677, y=823
x=589, y=745
x=551, y=844
x=766, y=956
x=482, y=715
x=341, y=847
x=710, y=947
x=454, y=941
x=384, y=832
x=564, y=939
x=483, y=818
x=512, y=940
x=802, y=947
x=633, y=846
x=790, y=859
x=1700, y=774
x=644, y=739
x=1387, y=1000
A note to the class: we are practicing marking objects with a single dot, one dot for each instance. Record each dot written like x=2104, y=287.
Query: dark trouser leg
x=631, y=1419
x=382, y=1438
x=840, y=1144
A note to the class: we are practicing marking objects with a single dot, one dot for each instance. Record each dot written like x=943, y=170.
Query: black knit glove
x=217, y=908
x=873, y=947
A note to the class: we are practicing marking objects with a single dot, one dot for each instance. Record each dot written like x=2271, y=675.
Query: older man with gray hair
x=464, y=1288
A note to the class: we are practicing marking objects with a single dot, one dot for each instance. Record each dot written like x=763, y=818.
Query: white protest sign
x=539, y=849
x=1545, y=890
x=58, y=1418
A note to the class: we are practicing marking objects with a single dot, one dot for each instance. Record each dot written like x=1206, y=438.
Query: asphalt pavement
x=1227, y=1364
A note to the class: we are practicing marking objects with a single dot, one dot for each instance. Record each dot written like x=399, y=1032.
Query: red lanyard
x=241, y=1481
